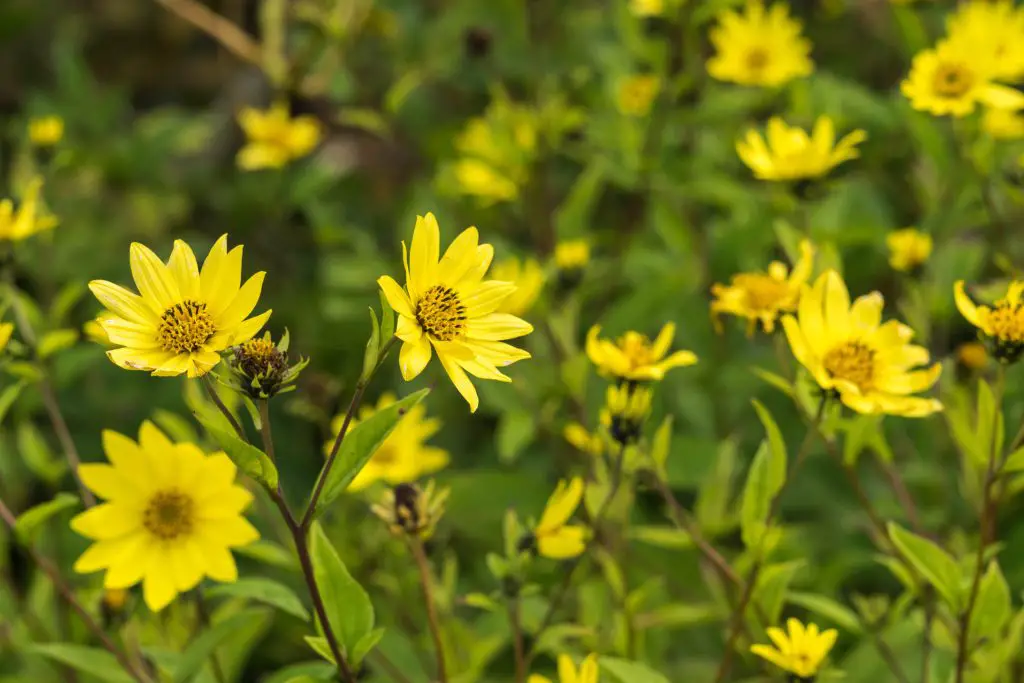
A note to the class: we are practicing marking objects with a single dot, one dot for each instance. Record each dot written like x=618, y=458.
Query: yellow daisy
x=449, y=308
x=1002, y=325
x=403, y=457
x=182, y=317
x=1003, y=124
x=909, y=249
x=555, y=537
x=171, y=516
x=993, y=33
x=46, y=131
x=759, y=47
x=790, y=154
x=952, y=79
x=849, y=351
x=30, y=216
x=762, y=297
x=496, y=151
x=800, y=652
x=572, y=254
x=274, y=138
x=636, y=94
x=529, y=278
x=568, y=673
x=633, y=357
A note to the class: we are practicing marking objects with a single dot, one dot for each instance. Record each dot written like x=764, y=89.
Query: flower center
x=185, y=327
x=953, y=80
x=1006, y=321
x=762, y=292
x=757, y=59
x=637, y=348
x=170, y=514
x=441, y=314
x=853, y=361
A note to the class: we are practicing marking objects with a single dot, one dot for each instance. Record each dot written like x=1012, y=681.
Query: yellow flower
x=449, y=308
x=626, y=409
x=992, y=32
x=477, y=177
x=572, y=255
x=577, y=435
x=972, y=355
x=762, y=297
x=30, y=216
x=274, y=138
x=568, y=673
x=529, y=279
x=909, y=249
x=849, y=351
x=182, y=317
x=633, y=357
x=801, y=652
x=171, y=516
x=951, y=79
x=46, y=131
x=790, y=154
x=6, y=330
x=555, y=537
x=1003, y=124
x=636, y=94
x=115, y=599
x=647, y=8
x=759, y=47
x=1001, y=324
x=403, y=457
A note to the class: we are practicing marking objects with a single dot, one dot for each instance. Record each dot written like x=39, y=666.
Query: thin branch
x=423, y=565
x=515, y=623
x=211, y=391
x=230, y=36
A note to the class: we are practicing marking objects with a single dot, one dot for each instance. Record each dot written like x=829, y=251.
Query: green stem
x=434, y=624
x=211, y=391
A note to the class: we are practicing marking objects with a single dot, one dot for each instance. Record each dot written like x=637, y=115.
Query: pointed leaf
x=931, y=561
x=764, y=481
x=205, y=644
x=88, y=660
x=631, y=672
x=263, y=590
x=30, y=520
x=349, y=609
x=250, y=460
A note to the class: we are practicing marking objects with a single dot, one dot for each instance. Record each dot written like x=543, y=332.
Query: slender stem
x=515, y=622
x=211, y=391
x=230, y=36
x=265, y=432
x=389, y=667
x=423, y=565
x=204, y=621
x=67, y=442
x=926, y=635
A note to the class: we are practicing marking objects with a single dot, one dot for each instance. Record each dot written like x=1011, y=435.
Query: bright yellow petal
x=243, y=303
x=153, y=278
x=184, y=270
x=459, y=258
x=964, y=304
x=566, y=669
x=249, y=328
x=423, y=255
x=663, y=341
x=460, y=380
x=497, y=327
x=561, y=505
x=125, y=304
x=396, y=296
x=413, y=358
x=105, y=521
x=158, y=586
x=588, y=670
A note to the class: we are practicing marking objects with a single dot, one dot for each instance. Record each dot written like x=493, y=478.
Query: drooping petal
x=413, y=357
x=460, y=380
x=964, y=304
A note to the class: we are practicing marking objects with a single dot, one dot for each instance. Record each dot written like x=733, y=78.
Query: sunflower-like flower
x=449, y=308
x=633, y=357
x=993, y=32
x=183, y=317
x=46, y=131
x=763, y=297
x=636, y=94
x=801, y=651
x=759, y=47
x=909, y=249
x=1001, y=325
x=274, y=138
x=791, y=154
x=30, y=216
x=568, y=673
x=849, y=351
x=529, y=278
x=953, y=79
x=172, y=515
x=625, y=410
x=553, y=536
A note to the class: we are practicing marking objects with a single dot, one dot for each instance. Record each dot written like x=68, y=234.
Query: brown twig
x=434, y=624
x=512, y=603
x=229, y=35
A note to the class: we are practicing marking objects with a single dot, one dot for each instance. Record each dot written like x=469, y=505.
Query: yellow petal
x=459, y=258
x=249, y=328
x=663, y=341
x=562, y=504
x=106, y=521
x=396, y=296
x=413, y=358
x=243, y=303
x=184, y=270
x=460, y=380
x=566, y=669
x=497, y=327
x=567, y=542
x=964, y=304
x=423, y=256
x=153, y=278
x=158, y=585
x=105, y=481
x=588, y=670
x=125, y=304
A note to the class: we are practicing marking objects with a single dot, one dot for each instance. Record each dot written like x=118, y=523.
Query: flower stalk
x=434, y=624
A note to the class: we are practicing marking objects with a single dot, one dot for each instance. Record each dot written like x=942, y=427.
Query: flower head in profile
x=625, y=410
x=448, y=307
x=260, y=368
x=29, y=218
x=636, y=94
x=46, y=131
x=763, y=297
x=409, y=509
x=1001, y=325
x=909, y=249
x=952, y=79
x=529, y=278
x=1003, y=124
x=635, y=358
x=274, y=138
x=582, y=439
x=801, y=651
x=568, y=673
x=791, y=154
x=553, y=535
x=403, y=457
x=171, y=517
x=992, y=31
x=760, y=47
x=849, y=351
x=183, y=317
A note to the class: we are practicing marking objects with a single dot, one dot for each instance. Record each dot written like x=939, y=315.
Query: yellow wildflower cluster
x=29, y=218
x=274, y=138
x=759, y=47
x=800, y=650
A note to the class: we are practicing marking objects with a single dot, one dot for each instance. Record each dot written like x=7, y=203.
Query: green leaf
x=359, y=445
x=10, y=394
x=269, y=553
x=313, y=670
x=661, y=445
x=372, y=351
x=1014, y=461
x=827, y=608
x=89, y=660
x=205, y=644
x=516, y=429
x=387, y=320
x=65, y=300
x=30, y=520
x=571, y=217
x=715, y=492
x=37, y=456
x=932, y=562
x=993, y=606
x=365, y=644
x=777, y=381
x=56, y=341
x=989, y=433
x=263, y=590
x=661, y=536
x=349, y=609
x=630, y=672
x=772, y=584
x=250, y=460
x=320, y=646
x=775, y=440
x=481, y=601
x=764, y=481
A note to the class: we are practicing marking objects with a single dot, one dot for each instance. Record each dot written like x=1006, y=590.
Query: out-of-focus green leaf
x=764, y=481
x=932, y=562
x=29, y=521
x=205, y=645
x=262, y=590
x=88, y=660
x=631, y=672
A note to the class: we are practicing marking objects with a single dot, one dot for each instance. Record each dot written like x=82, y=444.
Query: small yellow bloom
x=992, y=32
x=972, y=355
x=172, y=515
x=577, y=435
x=555, y=537
x=909, y=249
x=633, y=357
x=1003, y=124
x=529, y=279
x=29, y=218
x=762, y=297
x=572, y=255
x=477, y=177
x=647, y=8
x=447, y=307
x=404, y=456
x=759, y=47
x=951, y=79
x=790, y=154
x=46, y=131
x=1002, y=324
x=625, y=411
x=115, y=598
x=636, y=94
x=800, y=652
x=848, y=350
x=568, y=673
x=6, y=330
x=274, y=138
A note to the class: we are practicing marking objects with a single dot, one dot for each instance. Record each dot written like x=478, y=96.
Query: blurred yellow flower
x=449, y=308
x=1003, y=124
x=1001, y=324
x=529, y=278
x=790, y=154
x=909, y=249
x=577, y=435
x=477, y=177
x=115, y=599
x=46, y=131
x=972, y=355
x=992, y=32
x=555, y=537
x=633, y=357
x=636, y=94
x=274, y=138
x=647, y=8
x=800, y=652
x=572, y=254
x=763, y=296
x=30, y=216
x=172, y=516
x=625, y=410
x=6, y=330
x=182, y=317
x=404, y=456
x=567, y=672
x=759, y=47
x=952, y=79
x=849, y=351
